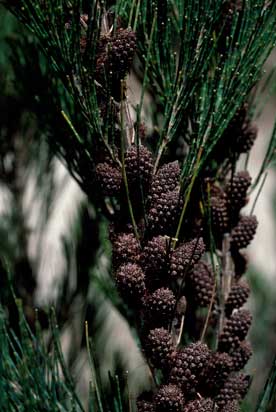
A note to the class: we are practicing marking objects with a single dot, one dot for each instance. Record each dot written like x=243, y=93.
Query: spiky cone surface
x=130, y=280
x=164, y=214
x=188, y=365
x=236, y=191
x=199, y=405
x=238, y=295
x=115, y=54
x=139, y=166
x=125, y=249
x=200, y=284
x=109, y=179
x=217, y=371
x=230, y=407
x=219, y=216
x=240, y=260
x=244, y=232
x=185, y=257
x=145, y=403
x=158, y=307
x=235, y=330
x=241, y=355
x=169, y=398
x=159, y=348
x=155, y=257
x=145, y=406
x=165, y=180
x=234, y=389
x=238, y=138
x=121, y=49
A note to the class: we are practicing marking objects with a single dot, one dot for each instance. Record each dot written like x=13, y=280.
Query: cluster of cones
x=162, y=278
x=167, y=281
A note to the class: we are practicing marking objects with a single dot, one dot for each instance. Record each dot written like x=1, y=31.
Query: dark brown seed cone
x=241, y=263
x=139, y=165
x=235, y=330
x=188, y=365
x=235, y=388
x=237, y=297
x=115, y=53
x=126, y=249
x=164, y=215
x=217, y=371
x=169, y=398
x=185, y=257
x=230, y=407
x=166, y=180
x=159, y=348
x=155, y=258
x=199, y=405
x=247, y=137
x=145, y=406
x=121, y=51
x=219, y=216
x=200, y=284
x=238, y=138
x=236, y=190
x=244, y=232
x=145, y=402
x=159, y=307
x=130, y=280
x=241, y=355
x=109, y=179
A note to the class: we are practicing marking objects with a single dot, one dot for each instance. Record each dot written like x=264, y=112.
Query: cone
x=244, y=232
x=237, y=297
x=159, y=307
x=235, y=330
x=130, y=280
x=159, y=347
x=185, y=257
x=188, y=365
x=169, y=398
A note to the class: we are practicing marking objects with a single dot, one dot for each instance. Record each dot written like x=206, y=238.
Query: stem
x=188, y=196
x=125, y=179
x=225, y=278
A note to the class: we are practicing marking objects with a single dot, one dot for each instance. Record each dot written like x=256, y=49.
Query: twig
x=225, y=278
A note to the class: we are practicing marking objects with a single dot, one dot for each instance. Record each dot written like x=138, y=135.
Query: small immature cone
x=130, y=280
x=235, y=330
x=244, y=232
x=159, y=307
x=188, y=365
x=126, y=249
x=238, y=295
x=185, y=256
x=169, y=398
x=109, y=179
x=159, y=348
